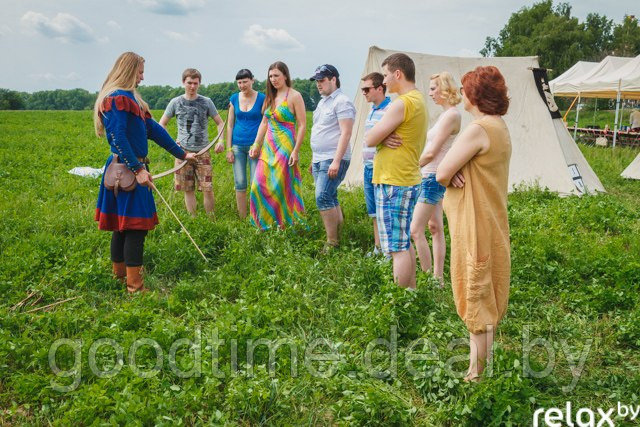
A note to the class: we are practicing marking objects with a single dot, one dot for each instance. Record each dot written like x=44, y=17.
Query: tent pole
x=615, y=123
x=564, y=118
x=595, y=110
x=575, y=126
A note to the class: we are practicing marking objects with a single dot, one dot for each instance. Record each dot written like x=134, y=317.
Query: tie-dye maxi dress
x=276, y=198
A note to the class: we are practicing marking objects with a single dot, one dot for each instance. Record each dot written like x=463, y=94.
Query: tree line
x=544, y=30
x=156, y=96
x=560, y=40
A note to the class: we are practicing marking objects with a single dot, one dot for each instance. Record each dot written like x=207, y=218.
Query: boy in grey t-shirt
x=192, y=112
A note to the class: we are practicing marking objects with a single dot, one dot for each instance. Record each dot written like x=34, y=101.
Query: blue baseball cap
x=325, y=70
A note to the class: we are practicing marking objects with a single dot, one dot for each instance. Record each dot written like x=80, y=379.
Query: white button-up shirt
x=325, y=132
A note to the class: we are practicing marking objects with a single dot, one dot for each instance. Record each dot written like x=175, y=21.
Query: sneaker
x=375, y=252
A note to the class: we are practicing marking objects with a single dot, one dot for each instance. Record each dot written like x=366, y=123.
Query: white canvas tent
x=633, y=170
x=543, y=151
x=600, y=81
x=614, y=78
x=568, y=81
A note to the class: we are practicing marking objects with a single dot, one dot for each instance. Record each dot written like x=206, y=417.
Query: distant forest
x=157, y=96
x=546, y=30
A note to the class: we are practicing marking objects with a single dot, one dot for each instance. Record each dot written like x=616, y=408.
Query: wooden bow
x=184, y=162
x=173, y=170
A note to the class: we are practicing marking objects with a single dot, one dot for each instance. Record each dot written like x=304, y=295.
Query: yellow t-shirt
x=400, y=166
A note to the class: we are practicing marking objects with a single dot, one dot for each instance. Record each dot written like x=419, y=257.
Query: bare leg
x=436, y=228
x=404, y=268
x=241, y=203
x=480, y=346
x=209, y=201
x=376, y=235
x=190, y=202
x=331, y=218
x=421, y=215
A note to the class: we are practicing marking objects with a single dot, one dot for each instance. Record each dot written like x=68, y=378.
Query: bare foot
x=471, y=378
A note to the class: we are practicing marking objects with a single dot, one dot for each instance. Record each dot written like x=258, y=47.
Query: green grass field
x=574, y=307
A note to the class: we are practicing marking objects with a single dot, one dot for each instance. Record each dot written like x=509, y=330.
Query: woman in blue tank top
x=245, y=115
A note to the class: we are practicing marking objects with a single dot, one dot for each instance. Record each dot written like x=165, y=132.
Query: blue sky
x=68, y=44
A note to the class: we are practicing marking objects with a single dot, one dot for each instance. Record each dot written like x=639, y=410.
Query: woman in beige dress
x=476, y=174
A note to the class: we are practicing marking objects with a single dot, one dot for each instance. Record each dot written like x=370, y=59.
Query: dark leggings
x=128, y=246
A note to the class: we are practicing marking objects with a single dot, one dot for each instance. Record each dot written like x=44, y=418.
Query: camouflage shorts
x=200, y=169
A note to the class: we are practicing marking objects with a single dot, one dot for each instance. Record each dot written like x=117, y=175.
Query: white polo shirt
x=325, y=132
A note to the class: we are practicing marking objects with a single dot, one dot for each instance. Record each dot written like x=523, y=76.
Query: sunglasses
x=366, y=89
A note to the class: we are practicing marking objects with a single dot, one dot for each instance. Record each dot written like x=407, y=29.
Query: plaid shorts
x=199, y=169
x=394, y=210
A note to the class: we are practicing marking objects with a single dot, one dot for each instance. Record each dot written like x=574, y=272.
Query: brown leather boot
x=135, y=282
x=119, y=271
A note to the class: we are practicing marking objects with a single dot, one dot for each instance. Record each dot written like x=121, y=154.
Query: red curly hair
x=485, y=88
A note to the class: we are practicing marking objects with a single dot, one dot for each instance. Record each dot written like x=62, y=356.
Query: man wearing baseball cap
x=332, y=125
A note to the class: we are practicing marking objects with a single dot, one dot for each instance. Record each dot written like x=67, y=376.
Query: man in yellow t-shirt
x=400, y=137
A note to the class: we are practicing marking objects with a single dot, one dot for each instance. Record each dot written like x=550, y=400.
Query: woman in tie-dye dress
x=276, y=198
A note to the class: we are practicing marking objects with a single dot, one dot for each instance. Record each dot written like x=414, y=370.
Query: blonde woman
x=443, y=91
x=122, y=115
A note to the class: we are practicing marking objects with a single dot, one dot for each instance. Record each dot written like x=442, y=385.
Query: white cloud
x=5, y=30
x=270, y=39
x=114, y=26
x=50, y=77
x=182, y=37
x=64, y=27
x=172, y=7
x=43, y=76
x=72, y=77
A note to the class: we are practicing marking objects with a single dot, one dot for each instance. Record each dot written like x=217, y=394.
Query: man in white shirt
x=332, y=126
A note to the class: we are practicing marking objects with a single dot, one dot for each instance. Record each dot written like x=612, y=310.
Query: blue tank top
x=246, y=124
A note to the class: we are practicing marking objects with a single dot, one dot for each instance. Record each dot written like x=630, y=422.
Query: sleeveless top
x=245, y=127
x=430, y=168
x=276, y=195
x=479, y=229
x=400, y=166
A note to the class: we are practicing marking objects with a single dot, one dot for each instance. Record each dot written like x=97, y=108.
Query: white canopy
x=568, y=81
x=611, y=76
x=543, y=151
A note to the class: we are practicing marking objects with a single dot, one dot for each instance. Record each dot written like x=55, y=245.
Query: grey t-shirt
x=192, y=116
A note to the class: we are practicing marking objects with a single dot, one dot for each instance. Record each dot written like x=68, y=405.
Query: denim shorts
x=394, y=208
x=327, y=188
x=369, y=194
x=241, y=157
x=431, y=191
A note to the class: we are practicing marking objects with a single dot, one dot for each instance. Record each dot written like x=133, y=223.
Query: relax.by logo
x=583, y=417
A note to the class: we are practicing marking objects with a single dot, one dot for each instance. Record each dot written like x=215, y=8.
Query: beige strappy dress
x=479, y=230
